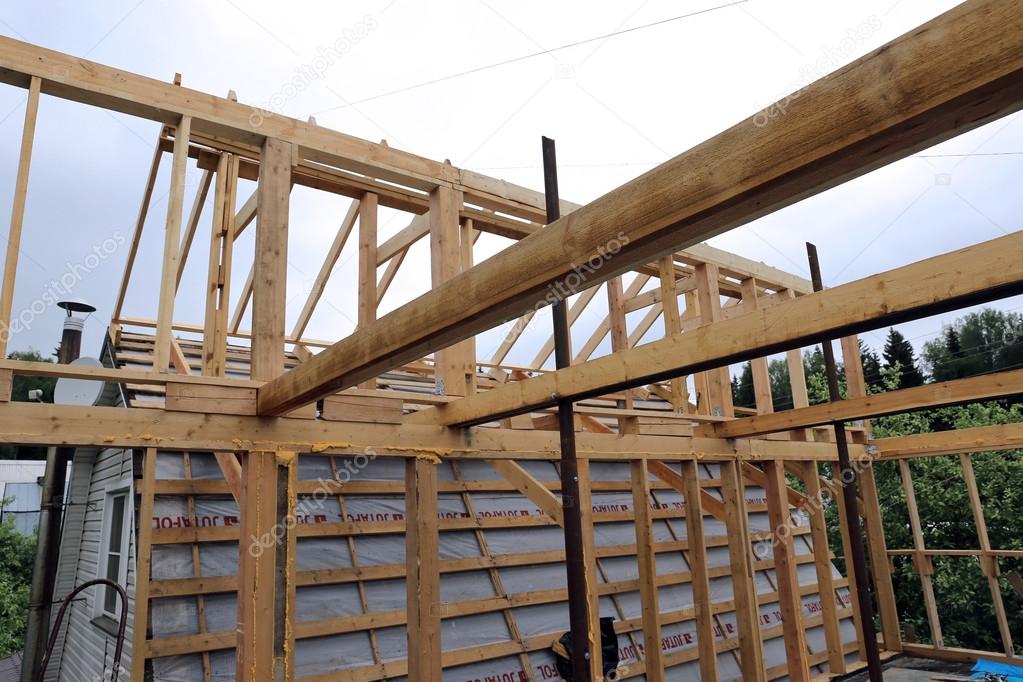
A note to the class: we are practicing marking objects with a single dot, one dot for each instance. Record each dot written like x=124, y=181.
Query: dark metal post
x=575, y=561
x=848, y=477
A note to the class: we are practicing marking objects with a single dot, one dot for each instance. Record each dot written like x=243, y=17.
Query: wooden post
x=822, y=563
x=672, y=326
x=445, y=259
x=759, y=367
x=590, y=563
x=368, y=266
x=719, y=385
x=653, y=657
x=18, y=214
x=218, y=277
x=988, y=562
x=702, y=602
x=620, y=341
x=266, y=567
x=271, y=265
x=422, y=542
x=884, y=590
x=789, y=602
x=751, y=650
x=171, y=246
x=921, y=562
x=467, y=238
x=143, y=562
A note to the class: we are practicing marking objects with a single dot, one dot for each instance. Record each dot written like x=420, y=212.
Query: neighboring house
x=98, y=541
x=20, y=489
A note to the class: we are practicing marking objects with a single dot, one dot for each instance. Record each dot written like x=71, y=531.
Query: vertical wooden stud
x=422, y=570
x=922, y=562
x=702, y=601
x=143, y=563
x=653, y=656
x=171, y=246
x=368, y=266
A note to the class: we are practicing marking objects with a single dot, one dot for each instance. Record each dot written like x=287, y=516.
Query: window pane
x=116, y=522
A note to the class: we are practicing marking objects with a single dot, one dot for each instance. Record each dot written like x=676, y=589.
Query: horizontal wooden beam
x=58, y=425
x=983, y=272
x=977, y=439
x=928, y=396
x=953, y=74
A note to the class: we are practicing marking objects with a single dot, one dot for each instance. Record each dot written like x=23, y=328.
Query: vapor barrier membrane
x=537, y=622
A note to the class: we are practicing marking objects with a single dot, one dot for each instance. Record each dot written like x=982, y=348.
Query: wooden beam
x=193, y=224
x=928, y=396
x=921, y=562
x=986, y=273
x=747, y=616
x=976, y=439
x=653, y=657
x=672, y=326
x=140, y=221
x=418, y=228
x=989, y=563
x=320, y=283
x=367, y=292
x=266, y=567
x=243, y=300
x=218, y=275
x=172, y=236
x=143, y=564
x=28, y=132
x=533, y=489
x=697, y=557
x=758, y=366
x=955, y=73
x=445, y=258
x=270, y=270
x=422, y=543
x=789, y=602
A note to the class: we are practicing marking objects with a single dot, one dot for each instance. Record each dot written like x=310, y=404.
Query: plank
x=955, y=73
x=193, y=223
x=989, y=563
x=537, y=492
x=445, y=260
x=787, y=580
x=697, y=558
x=904, y=293
x=975, y=439
x=751, y=651
x=928, y=396
x=326, y=268
x=672, y=326
x=140, y=221
x=269, y=295
x=172, y=236
x=653, y=656
x=422, y=545
x=367, y=291
x=144, y=560
x=921, y=562
x=28, y=132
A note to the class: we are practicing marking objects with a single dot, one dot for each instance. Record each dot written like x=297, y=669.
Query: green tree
x=19, y=392
x=17, y=554
x=898, y=352
x=743, y=394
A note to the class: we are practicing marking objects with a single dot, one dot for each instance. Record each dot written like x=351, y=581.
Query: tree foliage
x=17, y=554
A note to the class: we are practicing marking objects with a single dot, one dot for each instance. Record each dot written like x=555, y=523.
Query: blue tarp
x=1014, y=673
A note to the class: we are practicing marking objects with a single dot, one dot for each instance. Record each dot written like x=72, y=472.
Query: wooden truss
x=409, y=384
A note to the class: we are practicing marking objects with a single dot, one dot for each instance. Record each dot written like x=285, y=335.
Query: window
x=114, y=550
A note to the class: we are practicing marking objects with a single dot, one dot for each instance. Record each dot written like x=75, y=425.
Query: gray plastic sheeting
x=172, y=617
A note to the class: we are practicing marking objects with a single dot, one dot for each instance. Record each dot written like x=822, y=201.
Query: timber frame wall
x=957, y=72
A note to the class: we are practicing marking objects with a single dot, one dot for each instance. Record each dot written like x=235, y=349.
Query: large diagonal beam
x=928, y=396
x=953, y=74
x=976, y=274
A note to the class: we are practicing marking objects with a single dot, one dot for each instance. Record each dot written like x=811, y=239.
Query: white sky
x=616, y=107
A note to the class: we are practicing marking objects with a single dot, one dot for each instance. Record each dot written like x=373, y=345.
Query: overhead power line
x=531, y=55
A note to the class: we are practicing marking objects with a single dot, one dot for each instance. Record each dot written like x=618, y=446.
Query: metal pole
x=575, y=561
x=850, y=495
x=48, y=531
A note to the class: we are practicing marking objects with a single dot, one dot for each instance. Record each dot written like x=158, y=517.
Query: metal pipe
x=850, y=495
x=575, y=560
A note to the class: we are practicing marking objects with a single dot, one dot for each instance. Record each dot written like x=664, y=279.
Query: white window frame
x=116, y=489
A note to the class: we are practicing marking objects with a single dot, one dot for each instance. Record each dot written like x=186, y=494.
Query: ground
x=908, y=669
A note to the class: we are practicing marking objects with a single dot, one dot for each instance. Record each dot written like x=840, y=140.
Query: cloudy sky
x=476, y=82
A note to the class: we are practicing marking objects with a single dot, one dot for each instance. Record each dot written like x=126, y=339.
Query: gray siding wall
x=88, y=652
